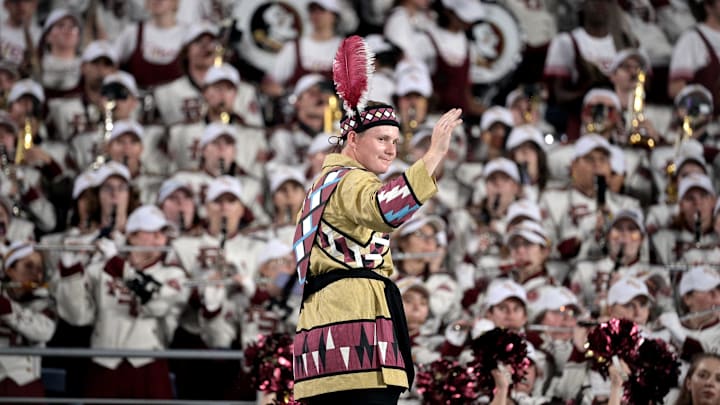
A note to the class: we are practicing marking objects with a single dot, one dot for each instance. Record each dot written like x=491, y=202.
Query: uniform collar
x=338, y=159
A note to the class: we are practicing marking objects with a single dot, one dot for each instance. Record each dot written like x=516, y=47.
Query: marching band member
x=58, y=53
x=309, y=54
x=220, y=90
x=73, y=116
x=150, y=50
x=133, y=303
x=627, y=256
x=177, y=202
x=530, y=247
x=691, y=236
x=20, y=33
x=426, y=235
x=577, y=232
x=525, y=145
x=310, y=100
x=27, y=318
x=698, y=330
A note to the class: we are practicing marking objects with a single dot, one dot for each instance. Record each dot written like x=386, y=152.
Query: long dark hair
x=685, y=397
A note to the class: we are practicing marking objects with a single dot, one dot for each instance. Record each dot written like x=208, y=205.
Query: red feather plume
x=352, y=68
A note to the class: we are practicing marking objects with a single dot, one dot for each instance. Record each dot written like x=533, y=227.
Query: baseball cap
x=281, y=175
x=84, y=181
x=224, y=185
x=412, y=78
x=221, y=73
x=636, y=216
x=57, y=15
x=170, y=186
x=329, y=5
x=496, y=114
x=695, y=180
x=126, y=127
x=418, y=221
x=306, y=82
x=522, y=134
x=699, y=159
x=552, y=298
x=419, y=135
x=617, y=160
x=504, y=165
x=320, y=143
x=7, y=121
x=214, y=130
x=531, y=231
x=406, y=284
x=17, y=251
x=396, y=167
x=111, y=168
x=378, y=44
x=589, y=142
x=625, y=289
x=147, y=218
x=273, y=249
x=626, y=53
x=596, y=93
x=26, y=87
x=501, y=289
x=99, y=49
x=699, y=278
x=197, y=30
x=123, y=78
x=469, y=11
x=523, y=208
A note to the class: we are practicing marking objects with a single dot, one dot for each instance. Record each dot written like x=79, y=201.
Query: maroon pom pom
x=499, y=346
x=655, y=370
x=270, y=363
x=616, y=337
x=447, y=383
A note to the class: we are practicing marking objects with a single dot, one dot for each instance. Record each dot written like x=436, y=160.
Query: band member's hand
x=35, y=156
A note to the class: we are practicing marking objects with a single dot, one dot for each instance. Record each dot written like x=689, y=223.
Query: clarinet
x=221, y=166
x=698, y=227
x=181, y=222
x=223, y=232
x=107, y=230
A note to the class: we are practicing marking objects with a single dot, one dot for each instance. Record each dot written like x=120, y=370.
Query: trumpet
x=332, y=116
x=409, y=127
x=638, y=135
x=24, y=142
x=108, y=125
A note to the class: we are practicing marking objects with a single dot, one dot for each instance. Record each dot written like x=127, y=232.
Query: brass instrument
x=671, y=189
x=332, y=116
x=409, y=127
x=638, y=135
x=597, y=125
x=108, y=125
x=225, y=117
x=225, y=28
x=24, y=142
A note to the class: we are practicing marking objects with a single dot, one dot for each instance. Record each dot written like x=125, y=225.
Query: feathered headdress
x=353, y=67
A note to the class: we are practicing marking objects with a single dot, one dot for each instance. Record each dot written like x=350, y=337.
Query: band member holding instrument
x=626, y=244
x=530, y=248
x=421, y=247
x=310, y=99
x=220, y=92
x=698, y=330
x=177, y=201
x=691, y=235
x=525, y=146
x=140, y=295
x=27, y=318
x=579, y=232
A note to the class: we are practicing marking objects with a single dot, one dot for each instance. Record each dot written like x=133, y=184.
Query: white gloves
x=107, y=248
x=671, y=322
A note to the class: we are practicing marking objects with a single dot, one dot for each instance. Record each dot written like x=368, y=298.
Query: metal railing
x=187, y=354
